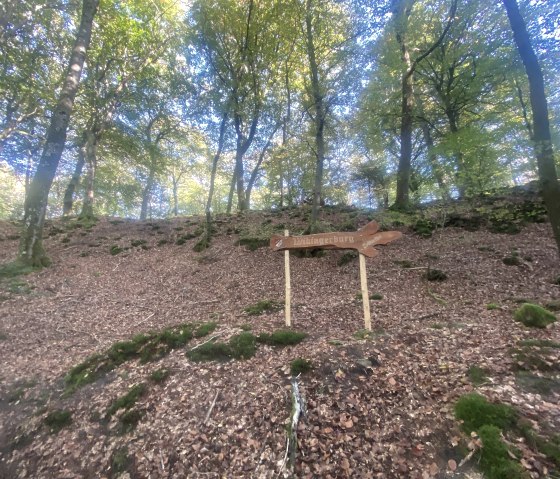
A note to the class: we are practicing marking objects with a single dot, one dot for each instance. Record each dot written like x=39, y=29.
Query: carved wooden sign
x=362, y=240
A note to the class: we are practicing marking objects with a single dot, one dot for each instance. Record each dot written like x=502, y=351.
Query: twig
x=211, y=408
x=205, y=342
x=298, y=408
x=146, y=319
x=467, y=458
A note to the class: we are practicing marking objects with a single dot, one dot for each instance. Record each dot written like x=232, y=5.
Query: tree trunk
x=320, y=116
x=31, y=246
x=548, y=175
x=257, y=167
x=91, y=161
x=68, y=202
x=175, y=197
x=231, y=192
x=221, y=141
x=147, y=195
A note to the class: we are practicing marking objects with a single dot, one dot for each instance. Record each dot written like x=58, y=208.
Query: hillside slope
x=378, y=405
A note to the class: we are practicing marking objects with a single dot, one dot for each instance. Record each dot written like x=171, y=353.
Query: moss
x=146, y=347
x=540, y=343
x=121, y=462
x=58, y=420
x=495, y=460
x=550, y=447
x=137, y=242
x=282, y=337
x=129, y=420
x=347, y=257
x=492, y=306
x=205, y=329
x=530, y=359
x=253, y=243
x=115, y=250
x=160, y=375
x=162, y=242
x=243, y=345
x=263, y=306
x=300, y=366
x=246, y=327
x=477, y=375
x=202, y=244
x=16, y=268
x=475, y=412
x=424, y=227
x=212, y=351
x=437, y=326
x=534, y=316
x=435, y=275
x=128, y=400
x=512, y=260
x=376, y=296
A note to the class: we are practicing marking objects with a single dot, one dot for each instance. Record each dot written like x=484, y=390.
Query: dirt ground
x=379, y=406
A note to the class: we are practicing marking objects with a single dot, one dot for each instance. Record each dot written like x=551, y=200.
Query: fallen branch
x=298, y=408
x=207, y=341
x=211, y=408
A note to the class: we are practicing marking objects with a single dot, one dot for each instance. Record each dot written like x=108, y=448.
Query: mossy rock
x=58, y=420
x=534, y=316
x=282, y=337
x=475, y=411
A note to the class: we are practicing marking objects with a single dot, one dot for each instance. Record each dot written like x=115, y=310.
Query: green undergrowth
x=240, y=346
x=160, y=375
x=477, y=375
x=16, y=268
x=435, y=275
x=58, y=420
x=128, y=400
x=145, y=347
x=496, y=458
x=243, y=345
x=300, y=366
x=263, y=306
x=534, y=316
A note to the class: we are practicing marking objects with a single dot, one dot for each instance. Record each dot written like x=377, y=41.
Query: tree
x=31, y=246
x=542, y=139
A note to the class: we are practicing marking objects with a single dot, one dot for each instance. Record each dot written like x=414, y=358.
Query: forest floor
x=378, y=405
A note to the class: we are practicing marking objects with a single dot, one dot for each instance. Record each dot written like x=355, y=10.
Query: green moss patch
x=492, y=306
x=424, y=227
x=282, y=337
x=205, y=329
x=494, y=457
x=160, y=375
x=534, y=316
x=58, y=420
x=121, y=462
x=263, y=306
x=300, y=366
x=240, y=346
x=477, y=375
x=129, y=420
x=115, y=250
x=16, y=268
x=145, y=347
x=128, y=400
x=475, y=411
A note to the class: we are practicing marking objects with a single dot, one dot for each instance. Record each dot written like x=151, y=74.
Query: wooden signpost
x=362, y=240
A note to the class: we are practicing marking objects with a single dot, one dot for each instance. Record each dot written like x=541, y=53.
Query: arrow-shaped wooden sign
x=362, y=240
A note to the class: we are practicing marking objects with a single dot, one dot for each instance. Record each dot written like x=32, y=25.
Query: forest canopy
x=271, y=103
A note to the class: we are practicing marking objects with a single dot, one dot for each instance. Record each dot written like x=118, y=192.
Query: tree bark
x=31, y=246
x=548, y=175
x=215, y=160
x=91, y=161
x=68, y=202
x=319, y=119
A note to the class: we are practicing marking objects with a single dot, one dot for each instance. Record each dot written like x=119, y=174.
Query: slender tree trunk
x=91, y=162
x=68, y=202
x=433, y=161
x=175, y=197
x=31, y=246
x=231, y=192
x=147, y=195
x=548, y=175
x=241, y=206
x=215, y=160
x=256, y=169
x=320, y=116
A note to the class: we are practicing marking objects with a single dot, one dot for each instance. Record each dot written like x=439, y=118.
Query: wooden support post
x=288, y=305
x=365, y=294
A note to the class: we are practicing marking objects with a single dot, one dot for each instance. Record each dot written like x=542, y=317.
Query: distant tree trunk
x=256, y=169
x=215, y=160
x=147, y=194
x=91, y=162
x=548, y=175
x=320, y=116
x=68, y=202
x=433, y=161
x=231, y=192
x=175, y=196
x=31, y=246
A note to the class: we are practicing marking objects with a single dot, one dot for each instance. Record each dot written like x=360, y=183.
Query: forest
x=191, y=195
x=143, y=109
